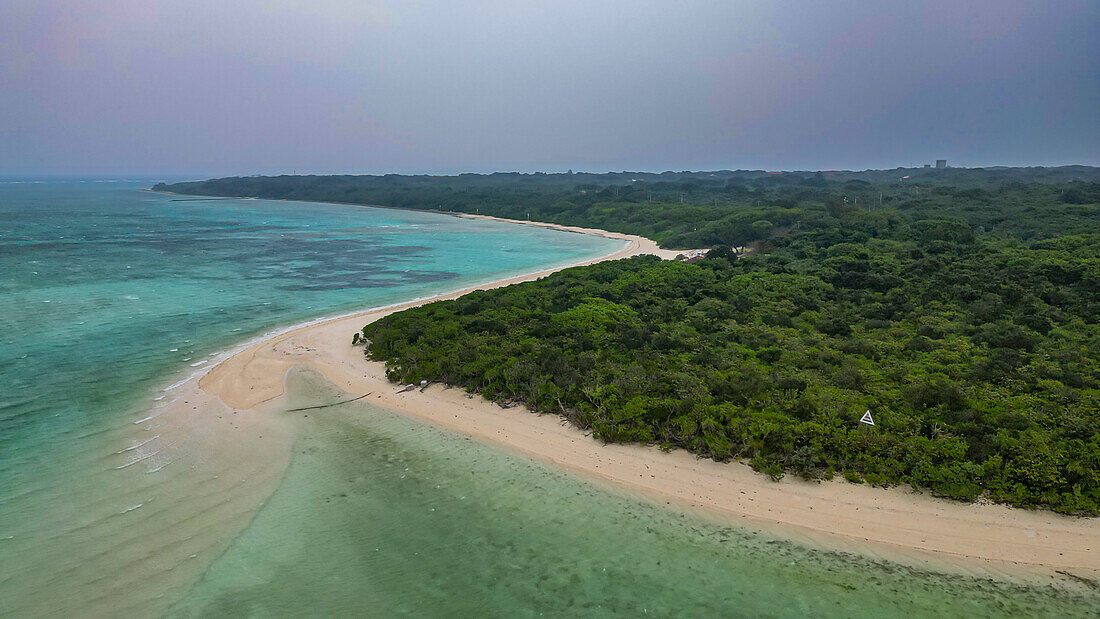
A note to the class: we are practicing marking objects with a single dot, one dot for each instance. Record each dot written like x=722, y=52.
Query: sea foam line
x=136, y=460
x=179, y=384
x=133, y=447
x=144, y=419
x=159, y=467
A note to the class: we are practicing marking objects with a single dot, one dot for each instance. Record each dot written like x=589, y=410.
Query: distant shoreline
x=666, y=254
x=895, y=521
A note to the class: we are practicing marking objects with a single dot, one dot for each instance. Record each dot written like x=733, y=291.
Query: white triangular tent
x=867, y=418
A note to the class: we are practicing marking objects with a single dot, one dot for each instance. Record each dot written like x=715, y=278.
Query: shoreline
x=896, y=522
x=655, y=250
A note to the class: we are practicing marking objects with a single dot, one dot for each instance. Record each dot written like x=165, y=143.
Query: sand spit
x=897, y=523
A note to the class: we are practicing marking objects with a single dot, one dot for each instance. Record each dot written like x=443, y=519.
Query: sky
x=236, y=87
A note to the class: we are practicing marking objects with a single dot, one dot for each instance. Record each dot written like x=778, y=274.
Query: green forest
x=689, y=210
x=959, y=307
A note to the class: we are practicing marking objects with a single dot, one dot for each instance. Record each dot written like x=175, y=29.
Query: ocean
x=112, y=297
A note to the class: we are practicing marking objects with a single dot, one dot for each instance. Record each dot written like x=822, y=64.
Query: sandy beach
x=893, y=522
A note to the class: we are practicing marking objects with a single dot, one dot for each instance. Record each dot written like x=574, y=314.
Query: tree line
x=961, y=310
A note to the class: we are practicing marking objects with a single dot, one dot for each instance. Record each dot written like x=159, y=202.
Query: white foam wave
x=136, y=460
x=154, y=470
x=144, y=419
x=133, y=447
x=179, y=384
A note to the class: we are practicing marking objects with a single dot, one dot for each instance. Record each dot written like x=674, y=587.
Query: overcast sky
x=225, y=87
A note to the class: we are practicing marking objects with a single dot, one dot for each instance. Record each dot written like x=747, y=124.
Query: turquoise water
x=105, y=289
x=109, y=293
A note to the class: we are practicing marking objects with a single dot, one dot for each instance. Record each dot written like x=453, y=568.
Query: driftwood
x=1088, y=581
x=309, y=408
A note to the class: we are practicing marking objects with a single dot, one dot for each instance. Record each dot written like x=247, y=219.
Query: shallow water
x=381, y=512
x=108, y=294
x=107, y=289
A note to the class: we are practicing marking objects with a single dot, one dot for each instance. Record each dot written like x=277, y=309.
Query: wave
x=179, y=384
x=137, y=460
x=133, y=447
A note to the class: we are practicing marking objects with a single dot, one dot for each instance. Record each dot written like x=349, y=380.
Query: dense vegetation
x=704, y=209
x=961, y=311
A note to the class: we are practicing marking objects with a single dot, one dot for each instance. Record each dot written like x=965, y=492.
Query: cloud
x=343, y=86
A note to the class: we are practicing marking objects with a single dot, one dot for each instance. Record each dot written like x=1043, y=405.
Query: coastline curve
x=893, y=522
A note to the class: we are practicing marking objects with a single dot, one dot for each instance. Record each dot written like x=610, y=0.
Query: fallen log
x=309, y=408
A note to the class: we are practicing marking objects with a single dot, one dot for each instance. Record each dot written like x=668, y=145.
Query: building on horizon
x=941, y=164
